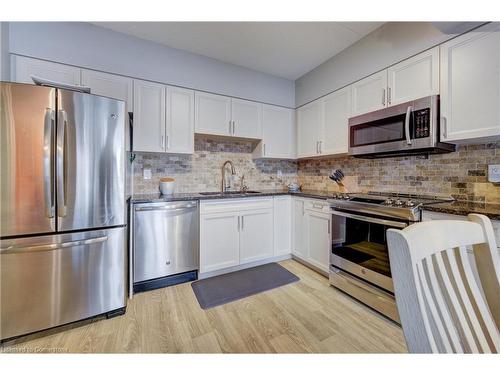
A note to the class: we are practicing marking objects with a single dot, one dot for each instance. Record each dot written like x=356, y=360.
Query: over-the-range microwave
x=405, y=129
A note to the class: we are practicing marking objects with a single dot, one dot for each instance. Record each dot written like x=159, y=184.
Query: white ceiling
x=283, y=49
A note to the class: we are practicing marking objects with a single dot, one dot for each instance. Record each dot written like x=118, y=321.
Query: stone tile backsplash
x=202, y=170
x=461, y=174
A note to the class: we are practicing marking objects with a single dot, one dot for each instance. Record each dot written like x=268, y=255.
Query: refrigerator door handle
x=52, y=246
x=61, y=163
x=48, y=162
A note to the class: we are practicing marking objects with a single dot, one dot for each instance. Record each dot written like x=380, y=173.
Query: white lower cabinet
x=312, y=237
x=318, y=238
x=256, y=235
x=234, y=232
x=219, y=241
x=282, y=225
x=299, y=229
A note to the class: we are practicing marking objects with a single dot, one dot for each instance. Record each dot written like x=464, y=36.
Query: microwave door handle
x=409, y=110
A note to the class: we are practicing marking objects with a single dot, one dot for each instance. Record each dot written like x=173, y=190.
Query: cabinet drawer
x=243, y=204
x=317, y=205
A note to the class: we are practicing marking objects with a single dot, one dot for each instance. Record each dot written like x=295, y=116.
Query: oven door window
x=364, y=244
x=391, y=129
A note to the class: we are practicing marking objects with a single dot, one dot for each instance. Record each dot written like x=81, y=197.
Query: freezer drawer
x=165, y=239
x=48, y=281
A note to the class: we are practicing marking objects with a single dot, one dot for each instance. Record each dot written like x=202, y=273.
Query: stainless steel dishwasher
x=165, y=244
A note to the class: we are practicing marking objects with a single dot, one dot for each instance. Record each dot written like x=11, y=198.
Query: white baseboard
x=243, y=266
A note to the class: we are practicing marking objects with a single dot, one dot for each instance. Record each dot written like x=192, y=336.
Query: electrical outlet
x=280, y=174
x=146, y=174
x=494, y=173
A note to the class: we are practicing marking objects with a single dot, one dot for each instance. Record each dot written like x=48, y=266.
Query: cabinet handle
x=389, y=95
x=168, y=142
x=383, y=97
x=242, y=223
x=329, y=226
x=238, y=223
x=317, y=147
x=320, y=144
x=230, y=128
x=443, y=127
x=162, y=141
x=264, y=149
x=234, y=127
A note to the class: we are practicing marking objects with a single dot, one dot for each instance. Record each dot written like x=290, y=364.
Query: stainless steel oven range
x=359, y=260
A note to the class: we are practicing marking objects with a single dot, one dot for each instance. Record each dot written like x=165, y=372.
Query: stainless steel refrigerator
x=62, y=228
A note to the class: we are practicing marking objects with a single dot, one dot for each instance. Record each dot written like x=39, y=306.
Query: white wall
x=389, y=44
x=4, y=52
x=90, y=46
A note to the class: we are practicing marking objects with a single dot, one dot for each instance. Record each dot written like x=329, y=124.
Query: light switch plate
x=494, y=173
x=146, y=174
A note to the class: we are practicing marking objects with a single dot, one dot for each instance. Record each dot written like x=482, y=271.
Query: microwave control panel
x=421, y=124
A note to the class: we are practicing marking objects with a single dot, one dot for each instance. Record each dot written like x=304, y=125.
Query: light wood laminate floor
x=308, y=316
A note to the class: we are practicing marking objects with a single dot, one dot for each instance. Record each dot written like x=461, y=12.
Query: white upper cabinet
x=180, y=120
x=212, y=114
x=247, y=118
x=22, y=68
x=149, y=116
x=309, y=125
x=337, y=110
x=470, y=86
x=369, y=94
x=414, y=78
x=278, y=133
x=110, y=85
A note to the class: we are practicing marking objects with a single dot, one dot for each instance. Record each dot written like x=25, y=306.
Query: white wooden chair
x=442, y=306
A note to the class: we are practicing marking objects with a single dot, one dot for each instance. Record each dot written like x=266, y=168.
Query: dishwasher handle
x=166, y=208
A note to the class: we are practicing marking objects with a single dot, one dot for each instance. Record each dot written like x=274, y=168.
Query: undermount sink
x=229, y=192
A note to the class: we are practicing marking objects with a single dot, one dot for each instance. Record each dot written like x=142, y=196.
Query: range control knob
x=409, y=203
x=388, y=202
x=398, y=202
x=346, y=196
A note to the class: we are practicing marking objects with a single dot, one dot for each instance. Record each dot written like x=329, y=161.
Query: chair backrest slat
x=441, y=305
x=484, y=312
x=474, y=321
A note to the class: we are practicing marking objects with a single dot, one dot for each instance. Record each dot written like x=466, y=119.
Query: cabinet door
x=219, y=241
x=282, y=225
x=24, y=67
x=318, y=239
x=110, y=85
x=369, y=94
x=180, y=120
x=247, y=118
x=309, y=120
x=212, y=114
x=414, y=78
x=256, y=235
x=149, y=116
x=470, y=86
x=299, y=230
x=278, y=133
x=337, y=110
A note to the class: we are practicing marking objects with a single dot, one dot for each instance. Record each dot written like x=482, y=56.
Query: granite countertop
x=454, y=207
x=466, y=207
x=157, y=197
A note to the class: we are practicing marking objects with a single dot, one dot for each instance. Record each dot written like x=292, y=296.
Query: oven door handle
x=392, y=223
x=409, y=110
